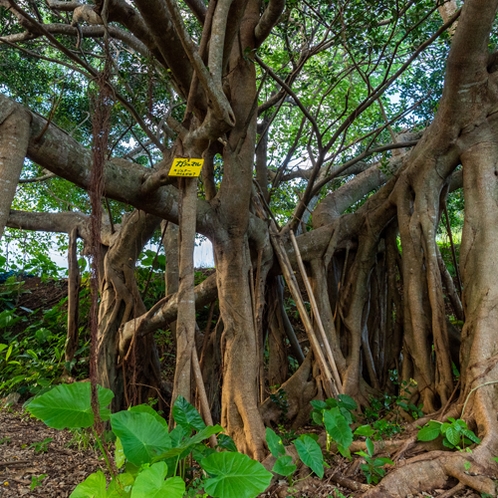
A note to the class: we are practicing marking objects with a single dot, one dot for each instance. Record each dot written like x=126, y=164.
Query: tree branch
x=268, y=20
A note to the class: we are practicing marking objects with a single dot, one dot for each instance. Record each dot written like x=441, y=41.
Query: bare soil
x=36, y=461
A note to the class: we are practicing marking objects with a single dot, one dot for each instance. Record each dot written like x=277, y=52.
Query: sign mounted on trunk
x=184, y=166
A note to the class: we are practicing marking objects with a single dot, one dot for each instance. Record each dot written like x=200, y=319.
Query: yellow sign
x=183, y=166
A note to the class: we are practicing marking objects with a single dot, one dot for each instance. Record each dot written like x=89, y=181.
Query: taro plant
x=373, y=468
x=152, y=459
x=337, y=416
x=307, y=448
x=455, y=433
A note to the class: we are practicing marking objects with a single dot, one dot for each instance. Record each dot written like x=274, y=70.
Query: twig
x=14, y=463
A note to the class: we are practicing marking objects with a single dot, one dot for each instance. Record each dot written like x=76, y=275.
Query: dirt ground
x=36, y=461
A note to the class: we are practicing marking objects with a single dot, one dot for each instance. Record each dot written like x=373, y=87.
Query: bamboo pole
x=329, y=386
x=316, y=313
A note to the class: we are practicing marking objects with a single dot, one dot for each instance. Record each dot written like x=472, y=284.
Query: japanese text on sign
x=183, y=166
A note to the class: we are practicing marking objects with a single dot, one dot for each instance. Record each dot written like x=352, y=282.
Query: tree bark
x=14, y=138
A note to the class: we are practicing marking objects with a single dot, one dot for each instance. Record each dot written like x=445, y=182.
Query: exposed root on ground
x=440, y=469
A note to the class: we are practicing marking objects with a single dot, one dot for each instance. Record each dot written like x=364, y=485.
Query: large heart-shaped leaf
x=151, y=411
x=142, y=436
x=186, y=415
x=94, y=486
x=337, y=427
x=150, y=483
x=69, y=406
x=234, y=475
x=310, y=453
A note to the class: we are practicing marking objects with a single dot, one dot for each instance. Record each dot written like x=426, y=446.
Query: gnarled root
x=440, y=469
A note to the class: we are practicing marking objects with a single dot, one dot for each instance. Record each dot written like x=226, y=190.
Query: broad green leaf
x=69, y=406
x=94, y=486
x=151, y=411
x=185, y=445
x=186, y=415
x=274, y=443
x=364, y=430
x=469, y=434
x=458, y=423
x=332, y=403
x=284, y=466
x=317, y=417
x=447, y=444
x=121, y=486
x=348, y=402
x=177, y=435
x=200, y=451
x=226, y=442
x=445, y=426
x=234, y=475
x=430, y=431
x=452, y=435
x=318, y=404
x=337, y=427
x=310, y=453
x=143, y=437
x=150, y=483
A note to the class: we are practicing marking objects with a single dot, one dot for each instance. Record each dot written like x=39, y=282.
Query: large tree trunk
x=138, y=368
x=14, y=138
x=240, y=412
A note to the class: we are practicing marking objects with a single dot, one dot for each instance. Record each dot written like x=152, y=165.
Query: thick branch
x=268, y=20
x=158, y=21
x=164, y=312
x=87, y=32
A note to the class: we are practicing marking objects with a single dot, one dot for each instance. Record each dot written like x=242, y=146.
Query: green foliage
x=234, y=474
x=37, y=481
x=69, y=405
x=275, y=444
x=33, y=341
x=151, y=483
x=337, y=416
x=151, y=455
x=283, y=465
x=455, y=434
x=310, y=453
x=142, y=436
x=41, y=446
x=384, y=413
x=373, y=468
